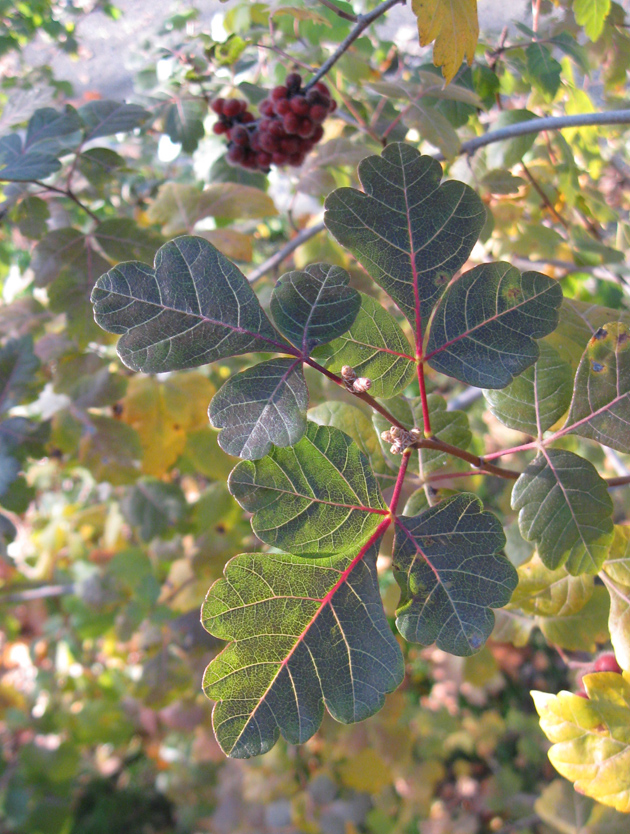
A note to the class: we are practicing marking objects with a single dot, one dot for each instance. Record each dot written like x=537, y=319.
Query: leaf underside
x=306, y=635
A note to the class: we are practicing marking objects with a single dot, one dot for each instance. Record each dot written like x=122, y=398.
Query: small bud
x=361, y=385
x=387, y=436
x=348, y=373
x=416, y=434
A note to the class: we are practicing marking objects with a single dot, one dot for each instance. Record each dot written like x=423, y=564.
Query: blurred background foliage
x=114, y=513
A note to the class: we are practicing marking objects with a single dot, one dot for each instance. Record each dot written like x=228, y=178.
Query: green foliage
x=342, y=365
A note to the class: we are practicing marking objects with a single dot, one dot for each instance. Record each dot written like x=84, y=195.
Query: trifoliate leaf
x=194, y=307
x=316, y=498
x=601, y=400
x=261, y=407
x=448, y=564
x=536, y=399
x=314, y=306
x=375, y=347
x=484, y=327
x=305, y=635
x=566, y=509
x=591, y=744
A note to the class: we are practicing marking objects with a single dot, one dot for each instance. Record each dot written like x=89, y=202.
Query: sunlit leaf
x=409, y=232
x=601, y=401
x=304, y=634
x=314, y=306
x=550, y=593
x=195, y=307
x=316, y=498
x=591, y=14
x=484, y=327
x=454, y=26
x=164, y=414
x=448, y=564
x=536, y=399
x=617, y=578
x=261, y=407
x=591, y=745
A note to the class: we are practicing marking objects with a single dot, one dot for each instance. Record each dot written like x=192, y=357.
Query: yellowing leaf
x=163, y=413
x=591, y=737
x=454, y=26
x=232, y=244
x=366, y=772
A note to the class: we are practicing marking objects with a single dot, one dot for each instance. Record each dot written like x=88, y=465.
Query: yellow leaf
x=163, y=414
x=233, y=244
x=454, y=26
x=591, y=737
x=365, y=772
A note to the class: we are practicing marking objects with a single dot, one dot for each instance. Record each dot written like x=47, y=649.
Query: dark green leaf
x=67, y=250
x=543, y=68
x=31, y=216
x=566, y=509
x=87, y=380
x=98, y=164
x=260, y=407
x=18, y=366
x=314, y=306
x=375, y=347
x=317, y=498
x=52, y=132
x=19, y=438
x=448, y=564
x=485, y=324
x=111, y=450
x=154, y=506
x=410, y=233
x=601, y=401
x=121, y=240
x=104, y=118
x=502, y=182
x=195, y=307
x=304, y=634
x=21, y=166
x=536, y=399
x=183, y=123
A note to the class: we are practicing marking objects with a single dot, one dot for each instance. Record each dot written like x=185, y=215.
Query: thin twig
x=363, y=21
x=609, y=117
x=479, y=463
x=339, y=12
x=287, y=249
x=30, y=594
x=66, y=193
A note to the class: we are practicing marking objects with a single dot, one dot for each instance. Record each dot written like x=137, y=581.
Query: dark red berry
x=231, y=108
x=282, y=107
x=263, y=159
x=293, y=82
x=278, y=158
x=300, y=105
x=279, y=93
x=306, y=128
x=247, y=117
x=317, y=134
x=291, y=123
x=333, y=106
x=236, y=155
x=217, y=105
x=254, y=141
x=219, y=128
x=269, y=143
x=290, y=145
x=277, y=128
x=239, y=135
x=296, y=159
x=321, y=88
x=318, y=112
x=607, y=663
x=266, y=108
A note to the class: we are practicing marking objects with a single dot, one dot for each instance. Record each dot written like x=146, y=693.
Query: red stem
x=399, y=482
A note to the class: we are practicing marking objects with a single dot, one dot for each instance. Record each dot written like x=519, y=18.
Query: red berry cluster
x=289, y=127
